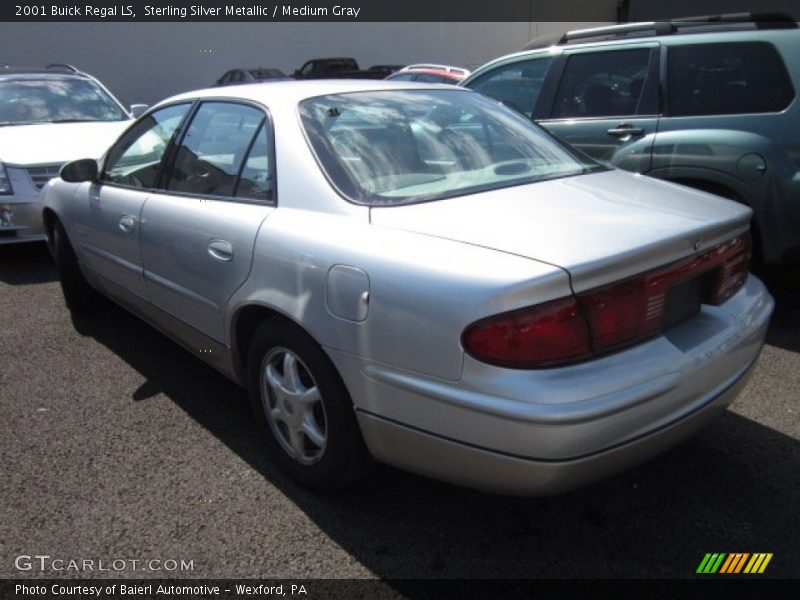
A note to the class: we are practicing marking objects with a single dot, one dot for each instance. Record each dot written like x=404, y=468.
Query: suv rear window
x=727, y=78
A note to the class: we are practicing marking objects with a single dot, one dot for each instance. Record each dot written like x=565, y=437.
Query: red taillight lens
x=624, y=313
x=735, y=262
x=606, y=319
x=545, y=335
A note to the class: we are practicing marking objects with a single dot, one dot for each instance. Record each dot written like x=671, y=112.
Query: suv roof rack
x=65, y=67
x=730, y=21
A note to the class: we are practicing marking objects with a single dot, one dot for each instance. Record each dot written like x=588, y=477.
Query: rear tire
x=80, y=297
x=303, y=409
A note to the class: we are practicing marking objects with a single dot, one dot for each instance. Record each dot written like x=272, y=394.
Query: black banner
x=372, y=589
x=311, y=10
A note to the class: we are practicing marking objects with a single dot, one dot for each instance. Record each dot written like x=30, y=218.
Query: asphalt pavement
x=117, y=444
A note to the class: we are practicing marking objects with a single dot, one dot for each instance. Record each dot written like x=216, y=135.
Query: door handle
x=127, y=223
x=221, y=250
x=625, y=131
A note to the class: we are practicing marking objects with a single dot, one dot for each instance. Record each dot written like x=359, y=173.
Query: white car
x=47, y=118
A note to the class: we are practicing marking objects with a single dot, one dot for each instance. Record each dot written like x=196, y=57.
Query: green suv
x=708, y=102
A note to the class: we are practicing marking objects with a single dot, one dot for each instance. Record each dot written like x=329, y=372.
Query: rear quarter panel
x=423, y=291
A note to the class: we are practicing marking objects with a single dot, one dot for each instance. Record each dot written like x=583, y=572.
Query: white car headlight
x=5, y=182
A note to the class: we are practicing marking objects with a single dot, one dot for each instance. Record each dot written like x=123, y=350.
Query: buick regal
x=417, y=275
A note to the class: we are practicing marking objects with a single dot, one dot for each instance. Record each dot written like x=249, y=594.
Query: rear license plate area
x=683, y=302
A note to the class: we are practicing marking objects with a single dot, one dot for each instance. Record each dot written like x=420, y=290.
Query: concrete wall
x=144, y=62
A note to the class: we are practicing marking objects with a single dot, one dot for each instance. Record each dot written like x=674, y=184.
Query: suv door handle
x=625, y=131
x=221, y=250
x=127, y=223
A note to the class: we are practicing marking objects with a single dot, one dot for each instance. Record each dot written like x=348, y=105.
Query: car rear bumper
x=545, y=431
x=480, y=468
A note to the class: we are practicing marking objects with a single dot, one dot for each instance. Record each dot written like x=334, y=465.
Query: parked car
x=337, y=68
x=251, y=75
x=416, y=274
x=709, y=103
x=427, y=73
x=47, y=117
x=386, y=69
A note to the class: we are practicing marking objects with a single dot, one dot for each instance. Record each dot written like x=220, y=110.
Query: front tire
x=303, y=408
x=80, y=297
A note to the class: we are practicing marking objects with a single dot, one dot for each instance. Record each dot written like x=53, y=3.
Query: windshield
x=53, y=100
x=398, y=147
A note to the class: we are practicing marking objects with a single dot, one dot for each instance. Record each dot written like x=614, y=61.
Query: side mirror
x=297, y=73
x=137, y=110
x=78, y=171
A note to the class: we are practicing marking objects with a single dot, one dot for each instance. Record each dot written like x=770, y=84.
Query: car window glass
x=255, y=182
x=135, y=160
x=210, y=155
x=400, y=146
x=747, y=77
x=517, y=85
x=602, y=84
x=55, y=100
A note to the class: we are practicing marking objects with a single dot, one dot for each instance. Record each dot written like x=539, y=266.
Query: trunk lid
x=600, y=227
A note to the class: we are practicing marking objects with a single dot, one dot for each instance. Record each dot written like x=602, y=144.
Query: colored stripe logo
x=734, y=563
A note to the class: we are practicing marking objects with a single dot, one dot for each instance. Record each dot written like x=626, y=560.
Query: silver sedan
x=415, y=274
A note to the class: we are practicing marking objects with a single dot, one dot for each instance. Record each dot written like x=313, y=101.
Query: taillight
x=606, y=319
x=539, y=336
x=733, y=272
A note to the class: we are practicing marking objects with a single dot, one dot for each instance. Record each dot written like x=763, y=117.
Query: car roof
x=293, y=91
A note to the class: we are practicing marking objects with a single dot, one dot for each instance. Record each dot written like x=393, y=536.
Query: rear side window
x=213, y=150
x=732, y=78
x=604, y=84
x=517, y=85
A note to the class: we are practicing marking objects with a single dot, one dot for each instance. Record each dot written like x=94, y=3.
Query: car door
x=606, y=103
x=199, y=231
x=108, y=222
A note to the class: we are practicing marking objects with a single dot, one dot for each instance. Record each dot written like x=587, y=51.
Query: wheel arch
x=244, y=323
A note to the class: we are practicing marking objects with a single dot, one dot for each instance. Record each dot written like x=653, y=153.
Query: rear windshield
x=54, y=100
x=404, y=146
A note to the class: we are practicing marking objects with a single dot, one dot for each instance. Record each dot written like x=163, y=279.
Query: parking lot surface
x=118, y=444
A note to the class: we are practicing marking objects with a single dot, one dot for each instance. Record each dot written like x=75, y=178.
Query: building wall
x=144, y=62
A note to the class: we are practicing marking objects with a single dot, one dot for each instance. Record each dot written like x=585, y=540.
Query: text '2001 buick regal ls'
x=416, y=274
